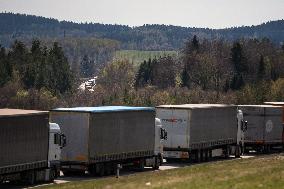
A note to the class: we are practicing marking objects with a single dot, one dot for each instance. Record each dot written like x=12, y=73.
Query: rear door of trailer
x=75, y=126
x=175, y=121
x=273, y=125
x=255, y=129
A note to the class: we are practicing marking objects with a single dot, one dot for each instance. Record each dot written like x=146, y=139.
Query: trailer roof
x=195, y=106
x=275, y=103
x=17, y=112
x=101, y=109
x=263, y=106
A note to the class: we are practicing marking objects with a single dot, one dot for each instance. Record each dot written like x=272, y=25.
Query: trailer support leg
x=118, y=167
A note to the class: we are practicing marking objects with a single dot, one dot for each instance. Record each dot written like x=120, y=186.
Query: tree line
x=146, y=37
x=36, y=67
x=247, y=71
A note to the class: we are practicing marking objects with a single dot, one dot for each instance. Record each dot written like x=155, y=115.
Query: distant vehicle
x=88, y=85
x=265, y=129
x=30, y=146
x=195, y=130
x=102, y=138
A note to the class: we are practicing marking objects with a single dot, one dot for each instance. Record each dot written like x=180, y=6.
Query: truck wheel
x=68, y=173
x=113, y=168
x=52, y=175
x=210, y=154
x=29, y=177
x=170, y=160
x=108, y=168
x=198, y=156
x=141, y=165
x=226, y=151
x=157, y=163
x=102, y=170
x=206, y=154
x=238, y=152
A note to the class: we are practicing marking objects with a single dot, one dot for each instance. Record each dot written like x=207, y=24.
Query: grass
x=260, y=172
x=137, y=57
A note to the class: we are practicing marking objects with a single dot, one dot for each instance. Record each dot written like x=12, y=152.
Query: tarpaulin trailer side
x=194, y=127
x=105, y=134
x=282, y=105
x=23, y=140
x=121, y=135
x=265, y=127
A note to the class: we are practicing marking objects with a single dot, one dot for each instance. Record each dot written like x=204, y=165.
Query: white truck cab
x=57, y=141
x=242, y=127
x=160, y=136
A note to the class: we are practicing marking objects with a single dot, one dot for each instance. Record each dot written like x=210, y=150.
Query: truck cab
x=57, y=141
x=160, y=136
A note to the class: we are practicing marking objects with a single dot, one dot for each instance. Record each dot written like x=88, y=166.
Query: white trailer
x=195, y=130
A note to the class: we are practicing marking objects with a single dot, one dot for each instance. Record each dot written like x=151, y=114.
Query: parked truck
x=30, y=146
x=195, y=130
x=102, y=138
x=265, y=128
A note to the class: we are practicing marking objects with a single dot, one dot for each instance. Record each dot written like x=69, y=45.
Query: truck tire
x=238, y=152
x=141, y=165
x=102, y=170
x=109, y=168
x=210, y=154
x=67, y=173
x=226, y=151
x=157, y=163
x=52, y=175
x=28, y=177
x=206, y=154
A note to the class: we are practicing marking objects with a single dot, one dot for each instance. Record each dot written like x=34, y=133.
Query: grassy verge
x=259, y=172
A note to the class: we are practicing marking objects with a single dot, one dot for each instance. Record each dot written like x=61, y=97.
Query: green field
x=260, y=172
x=138, y=57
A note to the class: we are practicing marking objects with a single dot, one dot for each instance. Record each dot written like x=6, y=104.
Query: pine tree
x=195, y=43
x=31, y=73
x=143, y=76
x=5, y=68
x=185, y=78
x=61, y=78
x=240, y=66
x=261, y=69
x=238, y=59
x=86, y=67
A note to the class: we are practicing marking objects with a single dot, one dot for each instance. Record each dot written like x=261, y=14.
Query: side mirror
x=63, y=140
x=164, y=134
x=244, y=126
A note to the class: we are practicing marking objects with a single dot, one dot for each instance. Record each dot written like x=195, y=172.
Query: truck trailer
x=195, y=130
x=30, y=146
x=102, y=138
x=265, y=128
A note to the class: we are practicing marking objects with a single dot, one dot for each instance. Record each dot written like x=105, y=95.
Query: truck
x=103, y=139
x=265, y=127
x=30, y=146
x=197, y=130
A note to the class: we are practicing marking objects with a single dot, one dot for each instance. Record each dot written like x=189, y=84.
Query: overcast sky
x=193, y=13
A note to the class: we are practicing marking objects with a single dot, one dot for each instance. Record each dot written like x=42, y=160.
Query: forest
x=146, y=37
x=245, y=71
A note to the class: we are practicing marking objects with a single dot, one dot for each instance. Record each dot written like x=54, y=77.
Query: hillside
x=146, y=37
x=260, y=172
